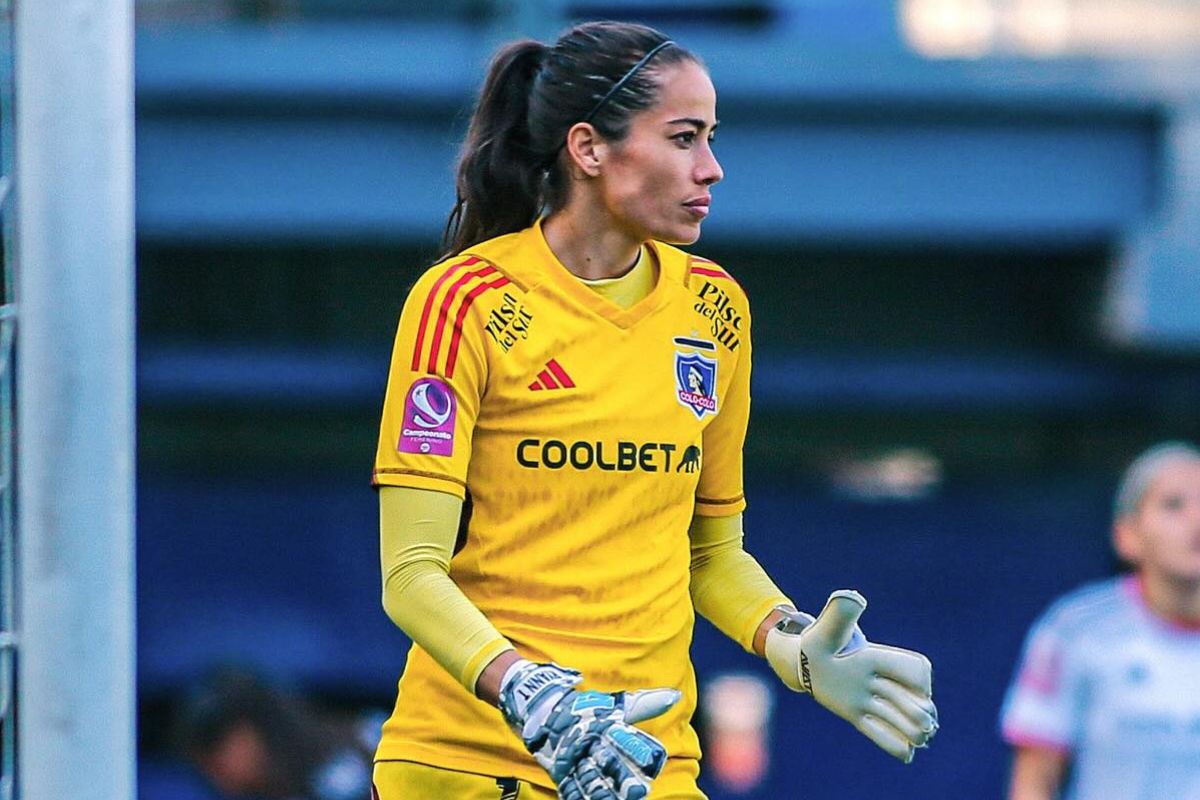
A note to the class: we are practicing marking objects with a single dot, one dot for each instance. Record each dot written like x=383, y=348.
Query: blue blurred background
x=969, y=229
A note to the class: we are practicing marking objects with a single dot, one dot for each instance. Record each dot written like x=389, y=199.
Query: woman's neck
x=589, y=246
x=1172, y=599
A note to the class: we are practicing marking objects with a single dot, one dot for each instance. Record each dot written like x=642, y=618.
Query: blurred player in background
x=253, y=739
x=560, y=458
x=1106, y=701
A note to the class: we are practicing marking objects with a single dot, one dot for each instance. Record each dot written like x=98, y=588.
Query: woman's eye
x=1172, y=502
x=687, y=137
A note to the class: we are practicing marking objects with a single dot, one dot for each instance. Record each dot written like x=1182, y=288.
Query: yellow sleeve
x=435, y=382
x=720, y=493
x=417, y=529
x=729, y=588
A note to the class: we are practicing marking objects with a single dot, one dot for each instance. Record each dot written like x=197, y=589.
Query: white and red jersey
x=1117, y=687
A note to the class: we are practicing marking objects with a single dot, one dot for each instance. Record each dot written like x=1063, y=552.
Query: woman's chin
x=679, y=234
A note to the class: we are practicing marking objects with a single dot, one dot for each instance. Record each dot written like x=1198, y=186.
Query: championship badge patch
x=428, y=424
x=696, y=383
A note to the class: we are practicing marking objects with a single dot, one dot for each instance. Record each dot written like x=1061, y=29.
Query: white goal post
x=75, y=398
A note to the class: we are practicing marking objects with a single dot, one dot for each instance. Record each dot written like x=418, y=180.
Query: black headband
x=616, y=87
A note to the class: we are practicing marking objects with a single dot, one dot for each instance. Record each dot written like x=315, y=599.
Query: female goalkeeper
x=560, y=458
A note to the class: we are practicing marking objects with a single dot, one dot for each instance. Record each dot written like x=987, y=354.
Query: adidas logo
x=552, y=377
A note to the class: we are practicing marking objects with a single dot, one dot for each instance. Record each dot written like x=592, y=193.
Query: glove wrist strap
x=527, y=685
x=794, y=622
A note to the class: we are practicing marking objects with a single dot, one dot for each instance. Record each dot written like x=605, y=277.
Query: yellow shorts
x=407, y=780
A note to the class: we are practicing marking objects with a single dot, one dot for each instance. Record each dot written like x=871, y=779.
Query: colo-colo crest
x=696, y=383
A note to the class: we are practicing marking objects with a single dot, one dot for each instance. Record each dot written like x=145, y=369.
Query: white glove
x=884, y=692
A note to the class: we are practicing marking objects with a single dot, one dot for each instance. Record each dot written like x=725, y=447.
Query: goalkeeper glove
x=585, y=739
x=884, y=692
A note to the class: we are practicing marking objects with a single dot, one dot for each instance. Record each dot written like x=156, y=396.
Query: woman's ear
x=1126, y=540
x=585, y=149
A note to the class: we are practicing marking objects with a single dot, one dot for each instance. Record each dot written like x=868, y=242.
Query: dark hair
x=509, y=171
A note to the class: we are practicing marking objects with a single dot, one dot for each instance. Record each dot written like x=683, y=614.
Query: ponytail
x=499, y=176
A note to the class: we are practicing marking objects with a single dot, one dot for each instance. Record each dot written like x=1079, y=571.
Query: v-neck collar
x=566, y=281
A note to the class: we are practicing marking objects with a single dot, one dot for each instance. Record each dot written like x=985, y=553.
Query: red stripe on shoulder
x=710, y=269
x=444, y=311
x=416, y=359
x=456, y=337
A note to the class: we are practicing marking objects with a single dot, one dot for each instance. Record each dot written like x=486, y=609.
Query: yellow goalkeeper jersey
x=584, y=436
